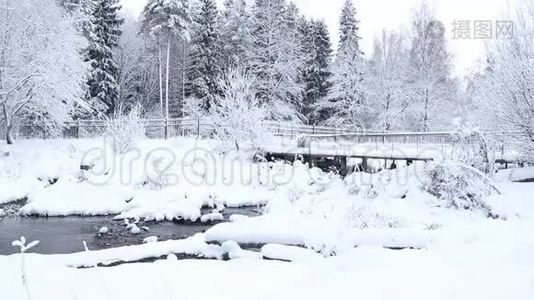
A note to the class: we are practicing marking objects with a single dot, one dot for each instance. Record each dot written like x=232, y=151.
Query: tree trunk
x=9, y=125
x=9, y=134
x=167, y=78
x=183, y=80
x=160, y=81
x=425, y=118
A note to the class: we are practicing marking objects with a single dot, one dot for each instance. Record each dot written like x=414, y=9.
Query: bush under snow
x=125, y=130
x=460, y=186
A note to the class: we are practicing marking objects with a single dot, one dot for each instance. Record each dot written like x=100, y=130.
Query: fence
x=169, y=128
x=161, y=128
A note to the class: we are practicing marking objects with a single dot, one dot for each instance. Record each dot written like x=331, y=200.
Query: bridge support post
x=344, y=167
x=364, y=165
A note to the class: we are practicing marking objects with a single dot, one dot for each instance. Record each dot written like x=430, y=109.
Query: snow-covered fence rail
x=414, y=138
x=168, y=128
x=161, y=128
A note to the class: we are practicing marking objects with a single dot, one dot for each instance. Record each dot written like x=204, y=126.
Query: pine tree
x=317, y=75
x=275, y=55
x=166, y=21
x=236, y=36
x=346, y=100
x=104, y=34
x=206, y=53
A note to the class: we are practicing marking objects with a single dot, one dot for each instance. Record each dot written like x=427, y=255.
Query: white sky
x=376, y=15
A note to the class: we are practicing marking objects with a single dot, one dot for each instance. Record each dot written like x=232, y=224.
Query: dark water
x=65, y=235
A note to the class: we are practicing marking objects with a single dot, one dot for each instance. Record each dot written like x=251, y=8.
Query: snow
x=237, y=218
x=494, y=265
x=213, y=217
x=130, y=185
x=376, y=236
x=193, y=246
x=288, y=253
x=150, y=239
x=234, y=251
x=517, y=175
x=135, y=229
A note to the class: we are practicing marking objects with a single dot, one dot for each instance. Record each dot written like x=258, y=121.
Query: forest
x=88, y=60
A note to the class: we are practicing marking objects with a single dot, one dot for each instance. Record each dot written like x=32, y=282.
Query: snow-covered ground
x=378, y=236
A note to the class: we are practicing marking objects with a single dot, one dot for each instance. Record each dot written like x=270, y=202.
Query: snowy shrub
x=193, y=108
x=366, y=215
x=460, y=186
x=155, y=183
x=238, y=114
x=473, y=148
x=125, y=130
x=303, y=141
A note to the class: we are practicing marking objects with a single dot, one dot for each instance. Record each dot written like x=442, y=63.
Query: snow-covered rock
x=150, y=239
x=288, y=253
x=213, y=217
x=135, y=230
x=237, y=217
x=234, y=251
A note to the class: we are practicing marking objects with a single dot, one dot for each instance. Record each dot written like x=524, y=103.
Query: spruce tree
x=349, y=29
x=236, y=35
x=276, y=62
x=104, y=33
x=206, y=53
x=346, y=101
x=71, y=5
x=317, y=75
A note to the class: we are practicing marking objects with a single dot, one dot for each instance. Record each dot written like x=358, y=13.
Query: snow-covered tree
x=166, y=21
x=104, y=31
x=236, y=35
x=347, y=100
x=137, y=69
x=207, y=51
x=74, y=6
x=386, y=83
x=430, y=73
x=504, y=93
x=275, y=56
x=317, y=49
x=41, y=69
x=237, y=112
x=80, y=10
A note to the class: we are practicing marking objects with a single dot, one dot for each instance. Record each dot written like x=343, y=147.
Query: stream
x=63, y=235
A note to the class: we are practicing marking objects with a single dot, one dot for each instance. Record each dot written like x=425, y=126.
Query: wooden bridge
x=289, y=132
x=339, y=160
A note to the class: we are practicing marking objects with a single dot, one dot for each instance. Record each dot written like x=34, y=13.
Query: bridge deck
x=342, y=154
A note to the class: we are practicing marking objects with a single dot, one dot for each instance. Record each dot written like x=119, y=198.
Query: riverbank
x=319, y=234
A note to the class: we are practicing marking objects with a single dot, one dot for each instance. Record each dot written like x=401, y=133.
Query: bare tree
x=386, y=82
x=41, y=69
x=430, y=79
x=504, y=94
x=238, y=114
